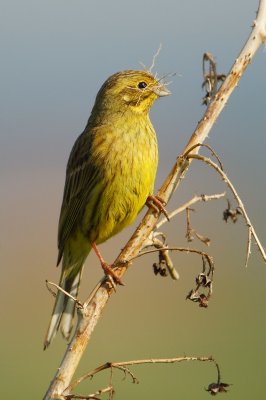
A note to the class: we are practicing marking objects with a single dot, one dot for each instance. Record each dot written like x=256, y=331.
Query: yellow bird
x=110, y=174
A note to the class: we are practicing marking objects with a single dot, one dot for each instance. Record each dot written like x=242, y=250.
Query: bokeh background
x=54, y=57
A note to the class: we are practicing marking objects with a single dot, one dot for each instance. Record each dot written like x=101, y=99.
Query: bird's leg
x=106, y=267
x=157, y=204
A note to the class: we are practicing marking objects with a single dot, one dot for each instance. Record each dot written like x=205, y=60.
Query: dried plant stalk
x=93, y=308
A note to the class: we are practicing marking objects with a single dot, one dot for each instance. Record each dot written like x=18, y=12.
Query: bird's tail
x=64, y=307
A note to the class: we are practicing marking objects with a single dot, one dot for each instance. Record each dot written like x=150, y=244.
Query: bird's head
x=130, y=90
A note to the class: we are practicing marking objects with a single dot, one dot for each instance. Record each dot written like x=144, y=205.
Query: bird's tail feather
x=64, y=307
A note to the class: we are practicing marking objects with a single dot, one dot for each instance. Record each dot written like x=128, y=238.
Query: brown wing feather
x=80, y=178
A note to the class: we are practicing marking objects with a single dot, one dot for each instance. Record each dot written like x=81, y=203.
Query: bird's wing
x=81, y=175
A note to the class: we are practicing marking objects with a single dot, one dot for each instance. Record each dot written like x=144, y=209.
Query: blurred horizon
x=55, y=57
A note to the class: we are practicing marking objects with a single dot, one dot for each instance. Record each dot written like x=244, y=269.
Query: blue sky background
x=54, y=57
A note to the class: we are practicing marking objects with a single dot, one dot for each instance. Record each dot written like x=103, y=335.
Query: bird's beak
x=161, y=91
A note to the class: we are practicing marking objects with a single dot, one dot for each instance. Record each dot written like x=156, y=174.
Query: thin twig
x=207, y=146
x=195, y=199
x=239, y=201
x=126, y=371
x=93, y=396
x=248, y=246
x=154, y=57
x=189, y=234
x=210, y=78
x=163, y=257
x=63, y=291
x=123, y=364
x=82, y=397
x=182, y=249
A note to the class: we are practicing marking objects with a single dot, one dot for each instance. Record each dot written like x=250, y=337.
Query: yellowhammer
x=109, y=176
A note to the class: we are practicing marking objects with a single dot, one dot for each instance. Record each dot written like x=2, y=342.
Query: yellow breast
x=128, y=160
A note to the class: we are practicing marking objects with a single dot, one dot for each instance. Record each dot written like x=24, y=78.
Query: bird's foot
x=157, y=204
x=108, y=270
x=110, y=273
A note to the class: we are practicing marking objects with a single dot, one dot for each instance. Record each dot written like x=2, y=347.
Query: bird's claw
x=157, y=204
x=108, y=270
x=111, y=275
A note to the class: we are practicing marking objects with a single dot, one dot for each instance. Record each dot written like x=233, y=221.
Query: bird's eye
x=142, y=85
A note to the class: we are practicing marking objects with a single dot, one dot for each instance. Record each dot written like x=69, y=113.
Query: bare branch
x=236, y=196
x=123, y=364
x=248, y=246
x=189, y=234
x=213, y=152
x=182, y=249
x=79, y=304
x=161, y=247
x=195, y=199
x=203, y=239
x=210, y=78
x=108, y=389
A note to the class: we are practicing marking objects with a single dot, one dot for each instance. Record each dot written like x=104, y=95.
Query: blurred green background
x=54, y=57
